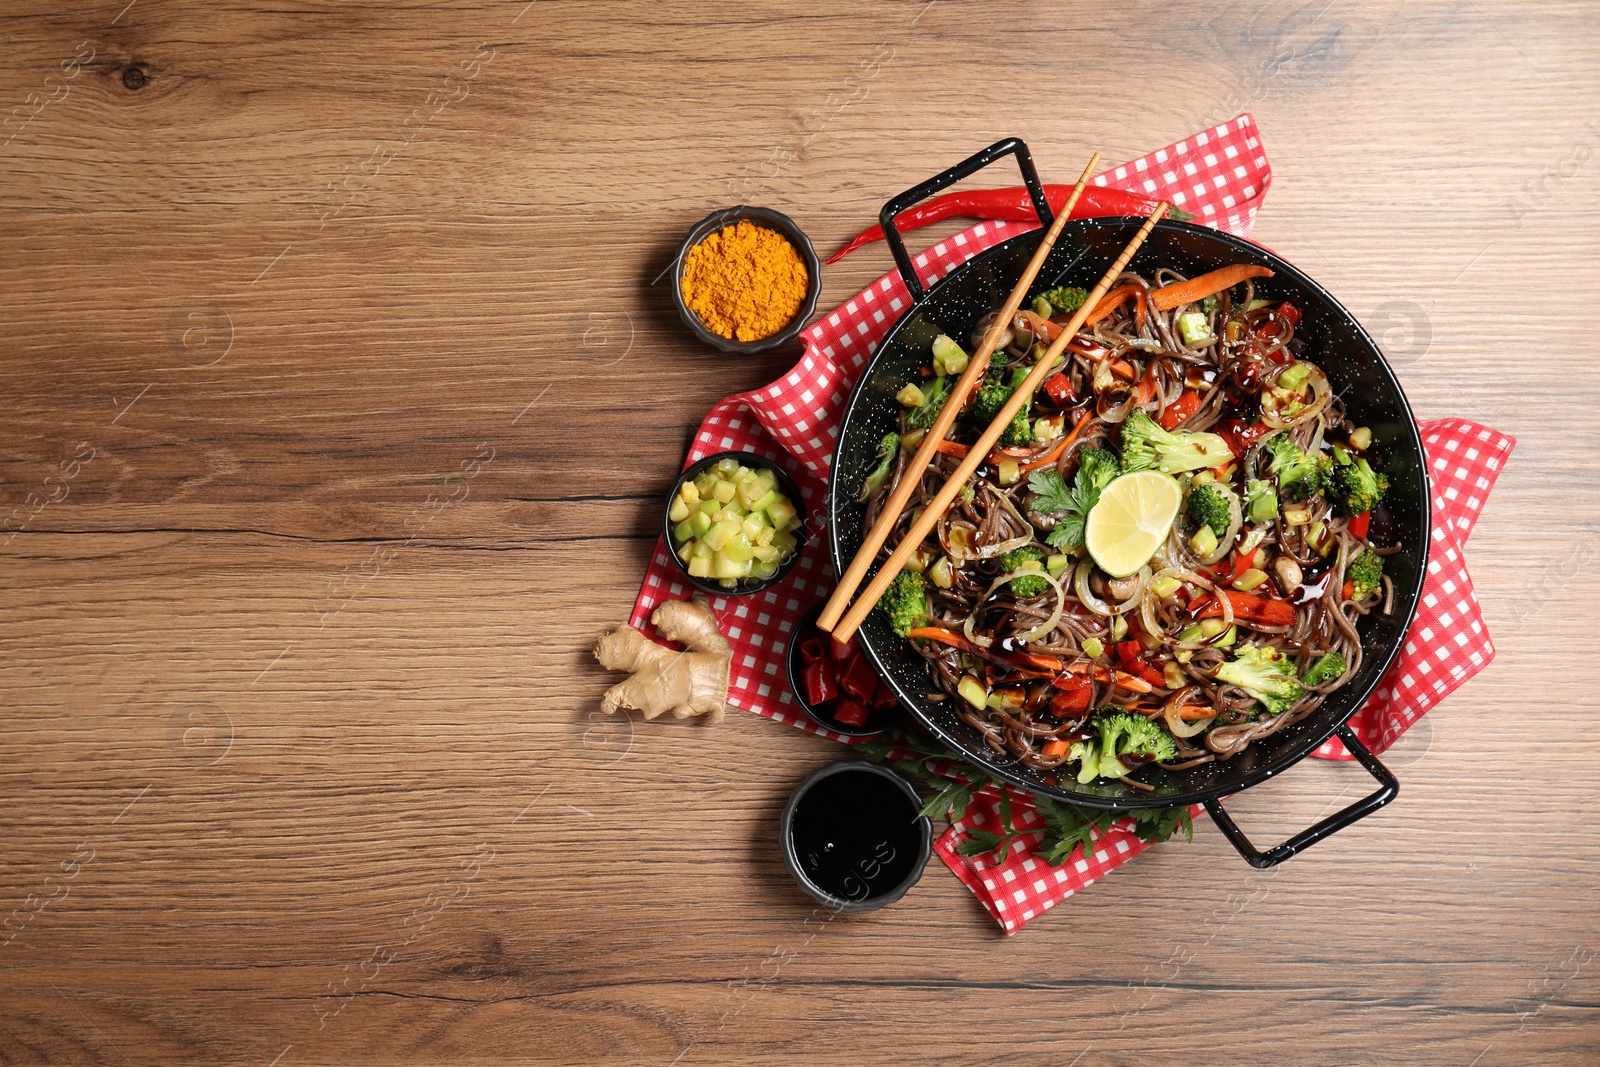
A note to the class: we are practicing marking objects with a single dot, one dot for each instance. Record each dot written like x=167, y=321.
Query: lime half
x=1129, y=524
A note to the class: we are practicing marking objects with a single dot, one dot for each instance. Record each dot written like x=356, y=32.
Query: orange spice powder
x=744, y=282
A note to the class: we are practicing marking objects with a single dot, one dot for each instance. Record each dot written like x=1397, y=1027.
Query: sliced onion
x=1086, y=597
x=1169, y=714
x=1235, y=522
x=1147, y=607
x=968, y=627
x=1321, y=396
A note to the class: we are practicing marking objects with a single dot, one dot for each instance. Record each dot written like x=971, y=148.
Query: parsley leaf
x=1096, y=470
x=1050, y=491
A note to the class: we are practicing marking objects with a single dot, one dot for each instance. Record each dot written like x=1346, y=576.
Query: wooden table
x=340, y=399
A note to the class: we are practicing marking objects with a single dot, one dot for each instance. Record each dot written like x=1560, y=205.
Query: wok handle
x=1388, y=789
x=967, y=167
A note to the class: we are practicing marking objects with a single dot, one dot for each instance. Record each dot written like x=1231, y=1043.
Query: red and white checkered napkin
x=1446, y=645
x=1220, y=176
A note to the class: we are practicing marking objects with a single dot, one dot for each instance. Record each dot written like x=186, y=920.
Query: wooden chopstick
x=896, y=504
x=852, y=619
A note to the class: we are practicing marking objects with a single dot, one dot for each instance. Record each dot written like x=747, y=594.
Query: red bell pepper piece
x=1146, y=671
x=1243, y=561
x=1251, y=608
x=1241, y=435
x=850, y=713
x=817, y=679
x=1058, y=387
x=1187, y=404
x=857, y=679
x=1073, y=698
x=1360, y=524
x=1128, y=651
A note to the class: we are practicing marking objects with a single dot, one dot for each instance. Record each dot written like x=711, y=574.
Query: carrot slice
x=951, y=448
x=1170, y=296
x=1115, y=299
x=1054, y=748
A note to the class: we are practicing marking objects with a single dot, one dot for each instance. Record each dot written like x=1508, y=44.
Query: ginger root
x=694, y=682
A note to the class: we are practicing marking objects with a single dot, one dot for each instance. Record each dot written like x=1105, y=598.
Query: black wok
x=1333, y=339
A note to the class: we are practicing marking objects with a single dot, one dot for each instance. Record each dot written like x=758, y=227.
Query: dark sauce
x=855, y=834
x=1311, y=589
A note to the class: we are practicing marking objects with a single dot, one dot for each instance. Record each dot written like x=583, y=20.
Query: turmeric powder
x=744, y=282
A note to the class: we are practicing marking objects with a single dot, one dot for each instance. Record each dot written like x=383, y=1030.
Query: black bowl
x=876, y=723
x=786, y=486
x=1333, y=339
x=852, y=838
x=772, y=220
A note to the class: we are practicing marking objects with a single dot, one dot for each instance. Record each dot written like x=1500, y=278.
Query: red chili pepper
x=1251, y=608
x=850, y=713
x=1058, y=387
x=1360, y=524
x=857, y=679
x=816, y=678
x=811, y=648
x=1073, y=700
x=843, y=651
x=883, y=698
x=1187, y=404
x=1011, y=205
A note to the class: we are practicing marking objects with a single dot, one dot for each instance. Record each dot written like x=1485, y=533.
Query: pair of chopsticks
x=843, y=623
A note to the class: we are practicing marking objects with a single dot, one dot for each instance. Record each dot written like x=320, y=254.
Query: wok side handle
x=967, y=167
x=1388, y=789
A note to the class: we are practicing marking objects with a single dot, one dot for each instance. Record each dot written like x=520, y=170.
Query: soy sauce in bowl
x=852, y=837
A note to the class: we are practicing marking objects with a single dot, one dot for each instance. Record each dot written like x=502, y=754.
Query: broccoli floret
x=905, y=601
x=1324, y=670
x=1146, y=446
x=1065, y=299
x=1366, y=571
x=1260, y=501
x=1121, y=734
x=1355, y=487
x=1299, y=474
x=888, y=448
x=934, y=395
x=1026, y=558
x=1266, y=674
x=1208, y=506
x=997, y=387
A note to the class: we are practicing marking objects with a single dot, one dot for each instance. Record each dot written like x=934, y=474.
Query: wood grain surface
x=339, y=405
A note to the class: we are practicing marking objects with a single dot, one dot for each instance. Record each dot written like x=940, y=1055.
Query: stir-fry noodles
x=1166, y=556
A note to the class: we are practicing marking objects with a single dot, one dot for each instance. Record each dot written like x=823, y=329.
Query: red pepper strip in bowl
x=1010, y=205
x=858, y=680
x=1251, y=608
x=816, y=678
x=850, y=713
x=1179, y=293
x=810, y=648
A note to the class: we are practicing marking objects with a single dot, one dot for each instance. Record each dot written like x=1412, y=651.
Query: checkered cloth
x=1220, y=176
